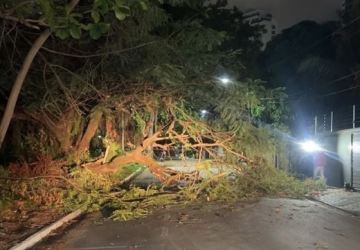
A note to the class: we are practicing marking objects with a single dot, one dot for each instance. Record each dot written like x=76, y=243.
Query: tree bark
x=10, y=106
x=90, y=132
x=15, y=91
x=123, y=131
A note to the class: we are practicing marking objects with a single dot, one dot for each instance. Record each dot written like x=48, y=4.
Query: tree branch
x=98, y=54
x=20, y=78
x=24, y=22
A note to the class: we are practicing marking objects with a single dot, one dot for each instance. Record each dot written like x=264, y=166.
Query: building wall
x=340, y=146
x=344, y=152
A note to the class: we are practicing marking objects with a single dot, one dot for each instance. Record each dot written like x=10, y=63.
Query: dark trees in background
x=311, y=60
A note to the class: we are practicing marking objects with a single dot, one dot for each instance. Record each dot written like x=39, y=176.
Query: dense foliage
x=176, y=46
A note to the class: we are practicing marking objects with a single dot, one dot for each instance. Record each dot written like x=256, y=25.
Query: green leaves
x=75, y=31
x=251, y=102
x=47, y=8
x=196, y=37
x=62, y=33
x=121, y=9
x=144, y=5
x=103, y=6
x=95, y=15
x=96, y=30
x=121, y=12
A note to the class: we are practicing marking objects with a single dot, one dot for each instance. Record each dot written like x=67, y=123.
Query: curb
x=46, y=231
x=353, y=213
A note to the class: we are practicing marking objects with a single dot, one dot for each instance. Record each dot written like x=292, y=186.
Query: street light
x=310, y=146
x=204, y=113
x=225, y=80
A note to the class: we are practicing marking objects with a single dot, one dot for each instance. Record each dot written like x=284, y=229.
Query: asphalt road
x=266, y=224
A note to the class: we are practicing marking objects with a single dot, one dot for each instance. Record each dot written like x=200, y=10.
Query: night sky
x=289, y=12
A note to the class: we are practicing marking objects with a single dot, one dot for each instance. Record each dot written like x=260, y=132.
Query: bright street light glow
x=224, y=80
x=204, y=113
x=310, y=146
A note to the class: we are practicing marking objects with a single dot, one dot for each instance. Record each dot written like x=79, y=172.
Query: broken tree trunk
x=136, y=156
x=95, y=119
x=63, y=128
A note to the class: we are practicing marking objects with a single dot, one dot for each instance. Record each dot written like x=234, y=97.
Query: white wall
x=339, y=143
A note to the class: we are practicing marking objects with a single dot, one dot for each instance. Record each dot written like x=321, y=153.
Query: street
x=264, y=224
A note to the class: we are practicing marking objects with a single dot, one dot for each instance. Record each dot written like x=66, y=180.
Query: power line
x=344, y=77
x=330, y=82
x=340, y=91
x=343, y=90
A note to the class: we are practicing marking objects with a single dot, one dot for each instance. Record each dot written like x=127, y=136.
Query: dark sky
x=289, y=12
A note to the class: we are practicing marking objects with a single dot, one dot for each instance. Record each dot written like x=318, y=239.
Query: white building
x=264, y=19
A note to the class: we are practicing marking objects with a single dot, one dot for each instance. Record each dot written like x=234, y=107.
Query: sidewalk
x=345, y=200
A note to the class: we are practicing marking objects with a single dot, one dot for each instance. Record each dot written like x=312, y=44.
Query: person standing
x=319, y=164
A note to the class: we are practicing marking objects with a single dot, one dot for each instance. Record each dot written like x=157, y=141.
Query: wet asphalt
x=263, y=224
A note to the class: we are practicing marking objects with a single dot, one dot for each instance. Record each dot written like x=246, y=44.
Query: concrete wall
x=338, y=145
x=344, y=152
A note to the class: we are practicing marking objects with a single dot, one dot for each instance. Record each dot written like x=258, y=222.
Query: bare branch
x=120, y=51
x=22, y=21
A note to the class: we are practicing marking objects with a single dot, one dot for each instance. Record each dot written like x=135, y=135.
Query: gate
x=355, y=160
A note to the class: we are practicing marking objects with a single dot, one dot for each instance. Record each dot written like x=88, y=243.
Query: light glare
x=203, y=113
x=224, y=80
x=310, y=146
x=355, y=147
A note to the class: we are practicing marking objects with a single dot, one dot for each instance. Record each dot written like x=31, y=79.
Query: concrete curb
x=43, y=233
x=353, y=213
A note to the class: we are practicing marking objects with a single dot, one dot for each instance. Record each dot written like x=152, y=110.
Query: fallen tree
x=149, y=121
x=133, y=126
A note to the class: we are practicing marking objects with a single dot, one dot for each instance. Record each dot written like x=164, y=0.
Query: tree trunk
x=63, y=129
x=123, y=131
x=10, y=106
x=135, y=156
x=111, y=131
x=91, y=129
x=15, y=91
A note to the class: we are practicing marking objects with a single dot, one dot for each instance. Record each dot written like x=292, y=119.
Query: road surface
x=264, y=224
